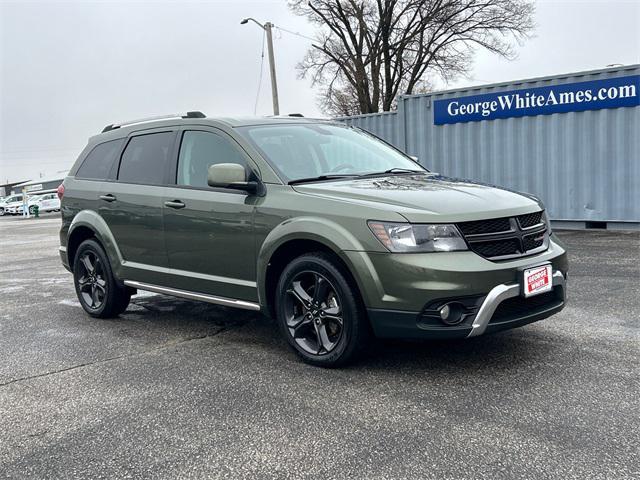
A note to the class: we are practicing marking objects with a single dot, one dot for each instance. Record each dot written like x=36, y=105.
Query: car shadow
x=499, y=351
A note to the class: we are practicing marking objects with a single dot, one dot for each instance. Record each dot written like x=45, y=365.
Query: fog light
x=452, y=313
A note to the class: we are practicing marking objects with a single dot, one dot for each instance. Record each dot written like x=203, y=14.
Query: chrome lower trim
x=203, y=297
x=495, y=297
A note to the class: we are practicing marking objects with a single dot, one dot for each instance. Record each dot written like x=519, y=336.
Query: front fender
x=91, y=220
x=331, y=234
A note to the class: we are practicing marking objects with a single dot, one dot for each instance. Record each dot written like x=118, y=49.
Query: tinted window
x=145, y=158
x=198, y=151
x=98, y=163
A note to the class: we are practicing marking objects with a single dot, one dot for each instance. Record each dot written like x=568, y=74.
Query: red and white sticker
x=538, y=280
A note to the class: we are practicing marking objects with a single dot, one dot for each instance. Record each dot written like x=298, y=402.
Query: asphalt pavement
x=178, y=389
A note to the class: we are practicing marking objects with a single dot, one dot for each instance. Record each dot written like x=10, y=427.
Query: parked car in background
x=49, y=202
x=10, y=204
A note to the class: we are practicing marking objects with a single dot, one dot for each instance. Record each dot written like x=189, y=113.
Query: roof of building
x=59, y=176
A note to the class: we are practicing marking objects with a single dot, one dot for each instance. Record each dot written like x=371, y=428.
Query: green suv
x=327, y=229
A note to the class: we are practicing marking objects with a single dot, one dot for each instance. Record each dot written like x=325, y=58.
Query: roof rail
x=194, y=114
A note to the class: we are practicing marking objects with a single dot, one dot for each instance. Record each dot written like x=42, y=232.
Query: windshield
x=312, y=150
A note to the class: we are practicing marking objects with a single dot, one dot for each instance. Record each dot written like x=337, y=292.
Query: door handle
x=175, y=204
x=108, y=197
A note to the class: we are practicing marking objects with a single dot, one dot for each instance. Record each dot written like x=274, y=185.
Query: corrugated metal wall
x=584, y=165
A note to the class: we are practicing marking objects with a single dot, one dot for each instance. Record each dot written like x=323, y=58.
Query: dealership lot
x=179, y=389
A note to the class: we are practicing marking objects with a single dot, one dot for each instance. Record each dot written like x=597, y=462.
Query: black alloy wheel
x=313, y=313
x=320, y=311
x=99, y=293
x=92, y=285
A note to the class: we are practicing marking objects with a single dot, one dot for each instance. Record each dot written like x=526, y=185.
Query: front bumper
x=398, y=288
x=494, y=314
x=62, y=251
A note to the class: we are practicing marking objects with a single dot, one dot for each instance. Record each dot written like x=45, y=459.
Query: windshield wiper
x=391, y=171
x=320, y=178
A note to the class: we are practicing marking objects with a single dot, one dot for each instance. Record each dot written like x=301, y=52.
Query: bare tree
x=369, y=51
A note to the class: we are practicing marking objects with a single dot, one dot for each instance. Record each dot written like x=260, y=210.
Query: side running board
x=203, y=297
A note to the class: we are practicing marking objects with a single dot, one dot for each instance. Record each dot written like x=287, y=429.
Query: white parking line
x=70, y=303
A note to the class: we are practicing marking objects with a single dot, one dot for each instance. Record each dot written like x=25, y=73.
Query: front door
x=209, y=231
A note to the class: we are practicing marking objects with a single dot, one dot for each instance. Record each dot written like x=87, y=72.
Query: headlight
x=546, y=221
x=406, y=237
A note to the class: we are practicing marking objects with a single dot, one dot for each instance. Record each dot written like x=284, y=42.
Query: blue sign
x=569, y=97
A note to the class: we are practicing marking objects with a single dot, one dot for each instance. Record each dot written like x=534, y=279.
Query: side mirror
x=230, y=175
x=414, y=158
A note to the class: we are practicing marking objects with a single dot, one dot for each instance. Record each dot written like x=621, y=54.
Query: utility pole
x=272, y=67
x=272, y=63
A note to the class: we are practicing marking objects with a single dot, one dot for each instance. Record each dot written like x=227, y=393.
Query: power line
x=42, y=149
x=294, y=33
x=255, y=105
x=18, y=156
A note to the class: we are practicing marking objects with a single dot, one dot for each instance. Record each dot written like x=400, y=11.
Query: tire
x=1, y=212
x=327, y=329
x=32, y=210
x=98, y=292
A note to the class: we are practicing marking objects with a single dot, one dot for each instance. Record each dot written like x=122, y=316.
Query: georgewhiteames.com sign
x=569, y=97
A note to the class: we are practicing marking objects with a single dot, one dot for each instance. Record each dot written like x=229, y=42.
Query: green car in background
x=324, y=227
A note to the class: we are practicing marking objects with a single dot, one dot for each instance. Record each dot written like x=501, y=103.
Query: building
x=40, y=185
x=8, y=189
x=573, y=140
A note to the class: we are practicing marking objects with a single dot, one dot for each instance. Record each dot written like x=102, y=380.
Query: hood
x=427, y=198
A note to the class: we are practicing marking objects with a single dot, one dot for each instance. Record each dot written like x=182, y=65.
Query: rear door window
x=146, y=158
x=98, y=164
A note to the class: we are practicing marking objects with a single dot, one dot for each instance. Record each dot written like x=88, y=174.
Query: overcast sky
x=68, y=69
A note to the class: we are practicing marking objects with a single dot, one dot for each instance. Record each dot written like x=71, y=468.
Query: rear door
x=84, y=186
x=209, y=231
x=132, y=204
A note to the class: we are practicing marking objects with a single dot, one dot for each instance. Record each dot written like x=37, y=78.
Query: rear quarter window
x=98, y=164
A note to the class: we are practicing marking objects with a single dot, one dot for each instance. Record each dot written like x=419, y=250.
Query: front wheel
x=97, y=290
x=320, y=312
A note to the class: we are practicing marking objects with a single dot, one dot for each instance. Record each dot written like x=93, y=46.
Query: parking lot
x=177, y=389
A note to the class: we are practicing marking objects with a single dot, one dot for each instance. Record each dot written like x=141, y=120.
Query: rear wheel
x=320, y=312
x=97, y=290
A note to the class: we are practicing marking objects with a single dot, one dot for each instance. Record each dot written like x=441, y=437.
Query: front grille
x=530, y=219
x=506, y=237
x=531, y=242
x=516, y=307
x=485, y=226
x=497, y=248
